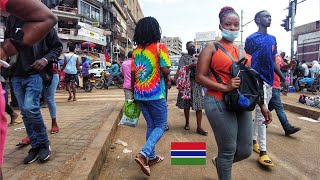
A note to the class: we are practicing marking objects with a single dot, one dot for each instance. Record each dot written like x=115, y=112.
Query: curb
x=314, y=114
x=91, y=162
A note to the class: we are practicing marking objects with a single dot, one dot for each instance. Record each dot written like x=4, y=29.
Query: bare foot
x=14, y=117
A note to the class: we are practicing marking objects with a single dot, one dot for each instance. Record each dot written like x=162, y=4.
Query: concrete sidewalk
x=290, y=103
x=80, y=122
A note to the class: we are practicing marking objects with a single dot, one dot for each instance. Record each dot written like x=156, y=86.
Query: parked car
x=97, y=67
x=174, y=65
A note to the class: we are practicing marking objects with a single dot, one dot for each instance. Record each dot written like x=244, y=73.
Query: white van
x=97, y=67
x=174, y=65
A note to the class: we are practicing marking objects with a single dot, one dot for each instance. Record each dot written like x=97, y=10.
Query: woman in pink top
x=126, y=71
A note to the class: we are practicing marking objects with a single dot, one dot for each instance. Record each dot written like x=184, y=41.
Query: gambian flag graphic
x=188, y=153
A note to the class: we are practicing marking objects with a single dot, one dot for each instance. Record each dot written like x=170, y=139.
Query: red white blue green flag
x=188, y=153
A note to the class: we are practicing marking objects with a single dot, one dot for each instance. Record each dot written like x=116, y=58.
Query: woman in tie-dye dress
x=150, y=70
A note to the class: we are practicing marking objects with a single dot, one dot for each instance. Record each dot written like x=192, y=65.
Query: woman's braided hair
x=225, y=11
x=147, y=31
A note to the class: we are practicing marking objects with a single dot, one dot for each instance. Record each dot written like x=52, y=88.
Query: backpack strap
x=225, y=51
x=214, y=73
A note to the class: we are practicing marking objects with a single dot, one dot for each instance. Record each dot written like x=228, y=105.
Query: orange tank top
x=221, y=63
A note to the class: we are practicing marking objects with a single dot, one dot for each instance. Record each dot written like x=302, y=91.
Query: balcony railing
x=66, y=8
x=66, y=31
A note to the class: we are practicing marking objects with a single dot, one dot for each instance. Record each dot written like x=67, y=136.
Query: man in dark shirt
x=27, y=84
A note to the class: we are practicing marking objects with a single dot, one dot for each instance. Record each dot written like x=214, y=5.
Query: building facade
x=174, y=45
x=95, y=25
x=308, y=41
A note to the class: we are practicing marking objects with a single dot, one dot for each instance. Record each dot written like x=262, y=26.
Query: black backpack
x=251, y=87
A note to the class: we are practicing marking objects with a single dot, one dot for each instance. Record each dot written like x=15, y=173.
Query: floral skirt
x=196, y=101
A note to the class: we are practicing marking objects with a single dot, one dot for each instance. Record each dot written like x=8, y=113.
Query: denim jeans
x=155, y=112
x=276, y=104
x=49, y=95
x=233, y=134
x=28, y=91
x=110, y=79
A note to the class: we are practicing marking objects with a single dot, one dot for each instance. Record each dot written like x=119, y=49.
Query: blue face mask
x=229, y=35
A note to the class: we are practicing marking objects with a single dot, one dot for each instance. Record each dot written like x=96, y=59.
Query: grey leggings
x=233, y=133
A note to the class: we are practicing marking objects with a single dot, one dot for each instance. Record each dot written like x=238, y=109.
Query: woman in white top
x=71, y=67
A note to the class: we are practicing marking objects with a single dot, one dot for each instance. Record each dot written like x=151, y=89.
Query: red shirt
x=279, y=62
x=221, y=63
x=3, y=4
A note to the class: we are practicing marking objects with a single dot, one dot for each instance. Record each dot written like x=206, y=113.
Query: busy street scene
x=159, y=89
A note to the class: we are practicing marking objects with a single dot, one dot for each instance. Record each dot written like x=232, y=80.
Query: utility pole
x=241, y=30
x=243, y=25
x=293, y=14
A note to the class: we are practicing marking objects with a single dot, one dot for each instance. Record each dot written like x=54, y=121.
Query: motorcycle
x=88, y=82
x=105, y=75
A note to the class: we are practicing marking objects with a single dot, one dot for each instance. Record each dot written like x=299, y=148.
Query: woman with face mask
x=232, y=130
x=194, y=97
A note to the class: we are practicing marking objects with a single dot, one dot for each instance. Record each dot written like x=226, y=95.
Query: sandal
x=202, y=132
x=15, y=123
x=186, y=127
x=214, y=161
x=24, y=142
x=256, y=148
x=70, y=97
x=145, y=169
x=74, y=99
x=265, y=161
x=54, y=130
x=156, y=160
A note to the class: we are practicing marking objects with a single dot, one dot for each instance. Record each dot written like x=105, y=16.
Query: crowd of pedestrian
x=34, y=73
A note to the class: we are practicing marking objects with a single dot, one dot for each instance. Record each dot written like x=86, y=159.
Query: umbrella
x=88, y=45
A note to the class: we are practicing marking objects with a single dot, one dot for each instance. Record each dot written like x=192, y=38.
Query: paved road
x=296, y=157
x=78, y=121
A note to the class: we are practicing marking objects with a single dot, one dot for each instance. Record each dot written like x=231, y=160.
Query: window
x=85, y=9
x=90, y=11
x=95, y=13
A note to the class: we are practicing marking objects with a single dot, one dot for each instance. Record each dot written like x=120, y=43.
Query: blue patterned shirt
x=263, y=48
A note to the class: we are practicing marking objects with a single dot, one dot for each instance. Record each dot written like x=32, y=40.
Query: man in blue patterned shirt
x=263, y=48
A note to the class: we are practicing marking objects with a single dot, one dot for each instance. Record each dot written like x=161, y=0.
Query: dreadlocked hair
x=258, y=15
x=147, y=31
x=225, y=11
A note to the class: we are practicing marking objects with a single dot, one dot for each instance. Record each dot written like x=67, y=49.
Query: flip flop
x=256, y=148
x=24, y=142
x=145, y=169
x=201, y=132
x=54, y=130
x=15, y=123
x=186, y=127
x=214, y=161
x=265, y=161
x=156, y=160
